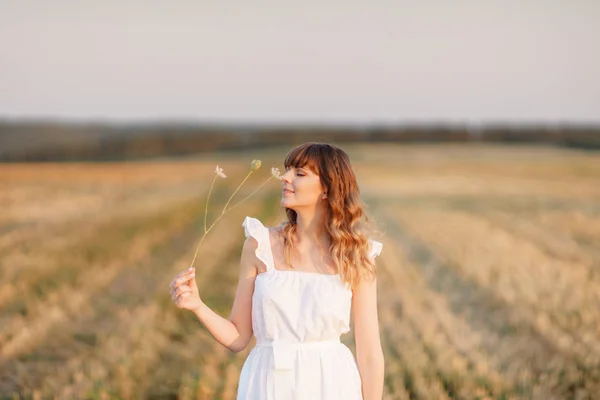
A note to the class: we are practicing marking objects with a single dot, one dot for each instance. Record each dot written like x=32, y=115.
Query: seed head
x=275, y=172
x=255, y=165
x=219, y=172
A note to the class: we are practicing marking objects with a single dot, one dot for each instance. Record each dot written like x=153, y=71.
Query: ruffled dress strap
x=375, y=249
x=253, y=227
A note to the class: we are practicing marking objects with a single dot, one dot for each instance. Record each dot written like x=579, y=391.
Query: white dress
x=297, y=318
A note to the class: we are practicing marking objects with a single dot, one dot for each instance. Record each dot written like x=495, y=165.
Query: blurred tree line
x=47, y=141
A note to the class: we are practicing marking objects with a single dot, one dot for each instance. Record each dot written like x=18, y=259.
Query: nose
x=286, y=177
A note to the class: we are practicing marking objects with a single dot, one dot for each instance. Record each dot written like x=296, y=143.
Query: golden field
x=489, y=279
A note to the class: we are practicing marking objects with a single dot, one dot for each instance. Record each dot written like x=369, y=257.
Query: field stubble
x=488, y=281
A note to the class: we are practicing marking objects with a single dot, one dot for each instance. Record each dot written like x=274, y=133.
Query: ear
x=323, y=191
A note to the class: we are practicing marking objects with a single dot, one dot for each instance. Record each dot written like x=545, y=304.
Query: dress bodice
x=297, y=318
x=297, y=306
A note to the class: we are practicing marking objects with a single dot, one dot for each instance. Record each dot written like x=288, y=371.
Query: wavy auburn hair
x=345, y=219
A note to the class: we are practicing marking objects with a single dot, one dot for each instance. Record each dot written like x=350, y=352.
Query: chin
x=286, y=204
x=290, y=203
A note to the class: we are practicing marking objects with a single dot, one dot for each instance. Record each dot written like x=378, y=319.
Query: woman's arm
x=234, y=333
x=369, y=354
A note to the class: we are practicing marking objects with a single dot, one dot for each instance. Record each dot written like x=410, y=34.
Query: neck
x=310, y=224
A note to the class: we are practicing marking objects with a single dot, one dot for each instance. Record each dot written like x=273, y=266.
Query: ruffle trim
x=253, y=227
x=375, y=248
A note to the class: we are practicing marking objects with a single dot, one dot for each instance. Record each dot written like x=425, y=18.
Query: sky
x=311, y=61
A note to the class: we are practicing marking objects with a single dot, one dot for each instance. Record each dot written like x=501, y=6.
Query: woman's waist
x=285, y=351
x=295, y=343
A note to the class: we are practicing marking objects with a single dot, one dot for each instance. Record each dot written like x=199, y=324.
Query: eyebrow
x=304, y=169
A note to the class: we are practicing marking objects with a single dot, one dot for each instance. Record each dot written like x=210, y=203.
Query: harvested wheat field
x=489, y=279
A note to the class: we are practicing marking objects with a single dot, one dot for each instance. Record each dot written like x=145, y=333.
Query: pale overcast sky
x=305, y=61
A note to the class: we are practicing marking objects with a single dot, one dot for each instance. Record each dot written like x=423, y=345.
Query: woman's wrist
x=198, y=311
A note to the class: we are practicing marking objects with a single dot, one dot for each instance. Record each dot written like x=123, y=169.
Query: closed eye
x=298, y=171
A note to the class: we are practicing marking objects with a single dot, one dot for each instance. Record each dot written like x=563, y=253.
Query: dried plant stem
x=207, y=199
x=236, y=190
x=222, y=212
x=250, y=195
x=197, y=248
x=202, y=239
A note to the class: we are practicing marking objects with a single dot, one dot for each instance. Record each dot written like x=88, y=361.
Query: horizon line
x=304, y=123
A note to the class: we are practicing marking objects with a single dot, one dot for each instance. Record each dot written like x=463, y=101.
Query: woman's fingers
x=179, y=290
x=181, y=286
x=179, y=299
x=182, y=295
x=186, y=276
x=182, y=277
x=182, y=290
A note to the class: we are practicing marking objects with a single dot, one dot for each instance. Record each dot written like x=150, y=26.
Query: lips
x=286, y=190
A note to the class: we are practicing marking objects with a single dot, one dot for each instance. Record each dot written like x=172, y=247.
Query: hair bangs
x=305, y=156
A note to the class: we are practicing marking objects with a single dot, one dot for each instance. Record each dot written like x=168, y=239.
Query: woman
x=297, y=285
